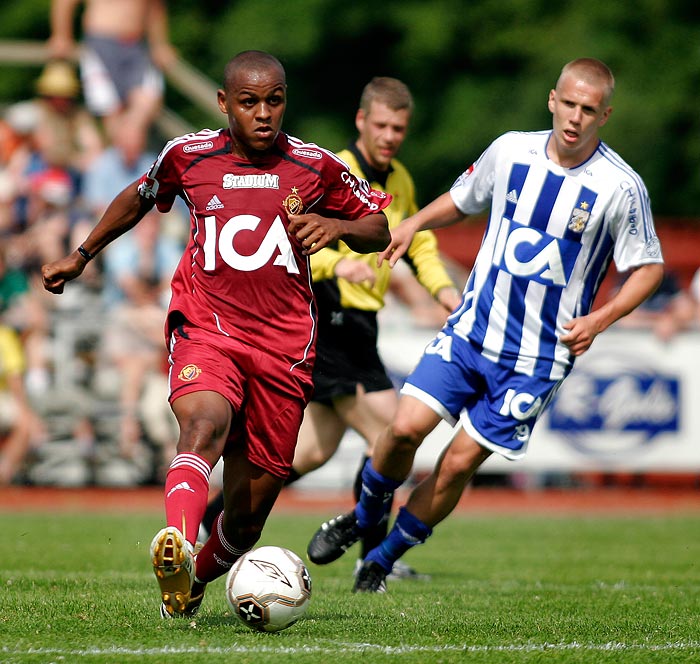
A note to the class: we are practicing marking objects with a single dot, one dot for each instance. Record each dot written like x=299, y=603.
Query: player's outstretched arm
x=438, y=214
x=123, y=213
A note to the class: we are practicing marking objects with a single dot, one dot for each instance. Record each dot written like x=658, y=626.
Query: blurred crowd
x=83, y=391
x=83, y=376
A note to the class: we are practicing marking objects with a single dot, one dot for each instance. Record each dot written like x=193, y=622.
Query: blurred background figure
x=19, y=426
x=682, y=312
x=134, y=375
x=66, y=135
x=125, y=47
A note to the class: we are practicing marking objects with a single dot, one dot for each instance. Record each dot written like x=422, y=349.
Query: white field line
x=337, y=648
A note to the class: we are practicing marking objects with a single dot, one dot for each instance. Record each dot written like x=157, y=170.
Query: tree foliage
x=476, y=69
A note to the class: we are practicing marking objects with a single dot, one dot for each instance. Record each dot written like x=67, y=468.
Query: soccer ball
x=269, y=588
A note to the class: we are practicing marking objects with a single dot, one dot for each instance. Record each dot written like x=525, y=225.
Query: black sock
x=293, y=477
x=357, y=486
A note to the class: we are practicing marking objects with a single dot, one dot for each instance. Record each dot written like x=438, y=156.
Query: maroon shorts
x=268, y=396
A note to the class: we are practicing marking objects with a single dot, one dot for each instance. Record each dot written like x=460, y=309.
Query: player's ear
x=221, y=100
x=606, y=116
x=360, y=119
x=550, y=101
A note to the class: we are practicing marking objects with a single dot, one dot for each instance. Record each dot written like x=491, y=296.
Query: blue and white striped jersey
x=551, y=235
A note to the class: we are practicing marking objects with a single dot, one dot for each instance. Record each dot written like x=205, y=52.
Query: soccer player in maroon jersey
x=241, y=324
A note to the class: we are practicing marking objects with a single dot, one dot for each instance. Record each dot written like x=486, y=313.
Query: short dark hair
x=250, y=60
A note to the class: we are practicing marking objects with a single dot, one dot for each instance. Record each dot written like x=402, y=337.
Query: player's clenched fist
x=55, y=275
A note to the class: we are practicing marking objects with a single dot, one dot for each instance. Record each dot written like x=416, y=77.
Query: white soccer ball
x=269, y=588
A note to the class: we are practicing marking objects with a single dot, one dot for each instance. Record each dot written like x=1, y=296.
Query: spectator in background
x=681, y=313
x=66, y=135
x=147, y=255
x=133, y=345
x=21, y=308
x=125, y=48
x=122, y=162
x=16, y=128
x=56, y=141
x=18, y=423
x=118, y=165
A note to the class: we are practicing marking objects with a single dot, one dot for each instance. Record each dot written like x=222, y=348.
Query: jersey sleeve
x=162, y=181
x=473, y=189
x=632, y=229
x=323, y=263
x=348, y=196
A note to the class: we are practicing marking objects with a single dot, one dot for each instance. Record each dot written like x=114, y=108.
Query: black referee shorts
x=347, y=355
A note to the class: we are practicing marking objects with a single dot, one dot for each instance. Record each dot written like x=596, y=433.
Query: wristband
x=85, y=253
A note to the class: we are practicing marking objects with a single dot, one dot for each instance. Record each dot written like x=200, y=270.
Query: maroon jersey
x=242, y=274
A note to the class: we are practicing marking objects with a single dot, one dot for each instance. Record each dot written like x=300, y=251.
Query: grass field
x=78, y=588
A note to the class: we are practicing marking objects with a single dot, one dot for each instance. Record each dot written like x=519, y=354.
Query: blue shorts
x=496, y=406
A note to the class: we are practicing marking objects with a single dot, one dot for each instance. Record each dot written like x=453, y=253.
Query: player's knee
x=202, y=434
x=403, y=433
x=312, y=459
x=462, y=458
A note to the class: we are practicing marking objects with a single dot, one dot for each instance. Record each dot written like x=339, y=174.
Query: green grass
x=78, y=588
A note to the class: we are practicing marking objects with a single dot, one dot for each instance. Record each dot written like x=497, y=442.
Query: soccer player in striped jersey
x=563, y=205
x=241, y=326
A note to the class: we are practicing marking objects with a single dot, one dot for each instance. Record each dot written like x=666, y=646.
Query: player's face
x=578, y=110
x=254, y=101
x=381, y=133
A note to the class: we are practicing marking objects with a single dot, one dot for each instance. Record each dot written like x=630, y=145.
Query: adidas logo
x=182, y=486
x=511, y=197
x=214, y=203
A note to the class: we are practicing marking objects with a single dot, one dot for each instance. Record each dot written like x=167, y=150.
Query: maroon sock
x=186, y=493
x=217, y=556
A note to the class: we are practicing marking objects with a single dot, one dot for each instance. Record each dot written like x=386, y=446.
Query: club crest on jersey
x=653, y=248
x=293, y=203
x=579, y=217
x=189, y=372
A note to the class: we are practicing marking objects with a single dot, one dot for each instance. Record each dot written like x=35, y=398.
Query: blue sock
x=408, y=531
x=375, y=499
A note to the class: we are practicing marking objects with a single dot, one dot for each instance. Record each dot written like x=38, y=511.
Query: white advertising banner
x=631, y=404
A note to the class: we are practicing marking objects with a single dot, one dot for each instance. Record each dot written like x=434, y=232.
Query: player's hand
x=449, y=298
x=314, y=231
x=55, y=275
x=401, y=238
x=581, y=333
x=355, y=271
